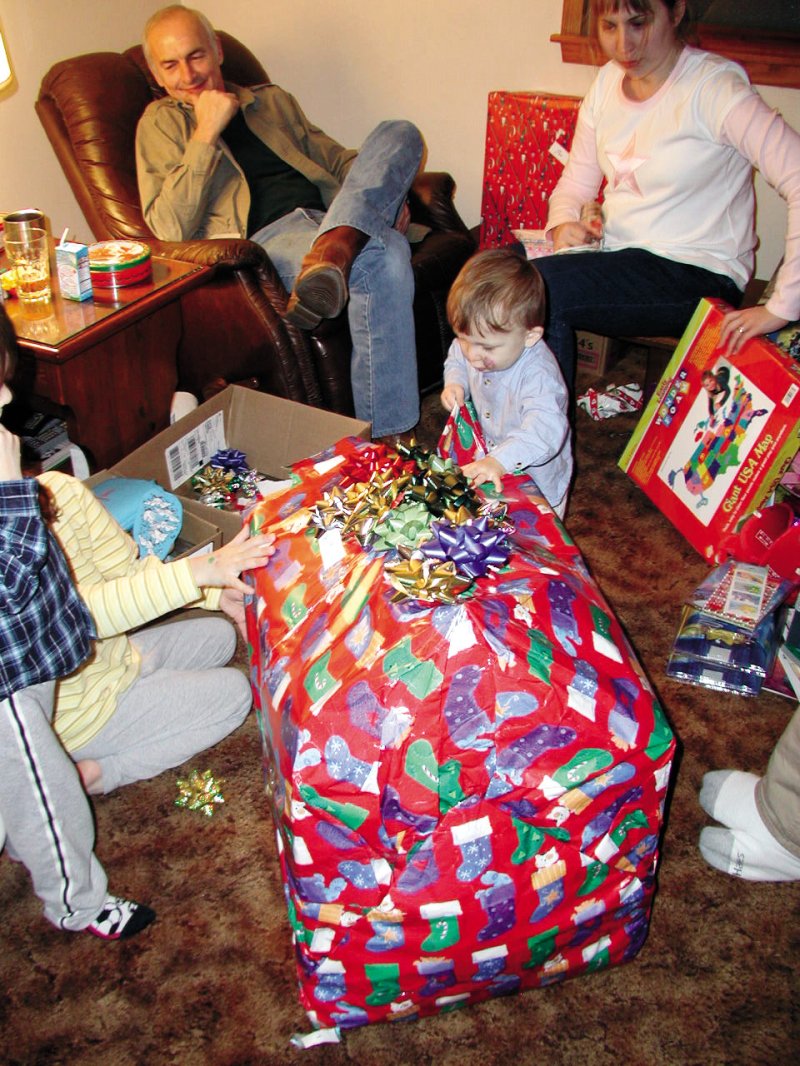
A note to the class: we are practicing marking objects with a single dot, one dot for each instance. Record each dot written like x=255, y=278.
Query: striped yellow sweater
x=122, y=592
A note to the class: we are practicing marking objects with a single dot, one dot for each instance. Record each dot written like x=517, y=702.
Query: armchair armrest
x=235, y=254
x=431, y=201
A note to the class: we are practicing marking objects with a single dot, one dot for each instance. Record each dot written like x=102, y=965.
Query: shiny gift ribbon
x=472, y=547
x=414, y=577
x=200, y=792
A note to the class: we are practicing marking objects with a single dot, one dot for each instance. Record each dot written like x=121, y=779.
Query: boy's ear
x=533, y=336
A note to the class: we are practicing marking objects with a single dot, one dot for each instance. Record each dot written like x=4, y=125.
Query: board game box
x=718, y=433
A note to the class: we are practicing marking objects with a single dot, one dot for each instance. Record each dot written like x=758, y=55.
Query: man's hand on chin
x=214, y=109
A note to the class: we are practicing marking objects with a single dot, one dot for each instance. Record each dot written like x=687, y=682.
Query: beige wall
x=349, y=62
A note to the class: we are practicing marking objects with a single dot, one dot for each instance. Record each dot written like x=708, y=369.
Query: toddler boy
x=498, y=358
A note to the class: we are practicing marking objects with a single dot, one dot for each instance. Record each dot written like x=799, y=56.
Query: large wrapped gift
x=468, y=795
x=528, y=136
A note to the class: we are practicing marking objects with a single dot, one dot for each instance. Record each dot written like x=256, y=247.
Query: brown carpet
x=212, y=982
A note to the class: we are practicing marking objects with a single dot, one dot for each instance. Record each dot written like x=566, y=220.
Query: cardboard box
x=718, y=433
x=198, y=535
x=596, y=353
x=528, y=135
x=273, y=433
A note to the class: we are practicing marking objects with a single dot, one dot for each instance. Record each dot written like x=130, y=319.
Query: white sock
x=729, y=796
x=754, y=858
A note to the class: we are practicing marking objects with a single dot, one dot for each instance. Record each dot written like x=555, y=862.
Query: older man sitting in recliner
x=218, y=160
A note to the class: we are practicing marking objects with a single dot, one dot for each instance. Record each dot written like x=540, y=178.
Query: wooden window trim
x=768, y=58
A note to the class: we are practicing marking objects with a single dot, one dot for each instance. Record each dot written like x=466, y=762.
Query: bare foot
x=91, y=776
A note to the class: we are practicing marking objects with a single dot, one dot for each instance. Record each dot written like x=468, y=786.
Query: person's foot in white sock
x=746, y=848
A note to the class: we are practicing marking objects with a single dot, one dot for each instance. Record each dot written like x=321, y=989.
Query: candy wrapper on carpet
x=467, y=778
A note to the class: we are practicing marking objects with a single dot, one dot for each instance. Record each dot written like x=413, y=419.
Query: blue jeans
x=383, y=371
x=626, y=293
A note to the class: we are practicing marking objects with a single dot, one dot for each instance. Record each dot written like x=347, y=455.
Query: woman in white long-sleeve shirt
x=675, y=132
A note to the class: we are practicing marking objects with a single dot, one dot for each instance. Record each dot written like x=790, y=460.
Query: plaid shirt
x=46, y=629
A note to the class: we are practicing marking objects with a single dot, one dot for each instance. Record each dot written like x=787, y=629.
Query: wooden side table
x=109, y=362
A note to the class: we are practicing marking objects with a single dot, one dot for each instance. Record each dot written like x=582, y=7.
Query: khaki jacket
x=192, y=190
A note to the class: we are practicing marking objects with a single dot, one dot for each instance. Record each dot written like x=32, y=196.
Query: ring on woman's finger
x=741, y=329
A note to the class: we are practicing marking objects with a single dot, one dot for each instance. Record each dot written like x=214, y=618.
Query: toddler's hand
x=452, y=397
x=222, y=567
x=10, y=468
x=486, y=469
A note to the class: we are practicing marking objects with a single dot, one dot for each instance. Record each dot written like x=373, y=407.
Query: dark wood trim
x=768, y=58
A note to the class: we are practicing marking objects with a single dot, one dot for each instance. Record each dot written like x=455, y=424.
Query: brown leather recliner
x=233, y=326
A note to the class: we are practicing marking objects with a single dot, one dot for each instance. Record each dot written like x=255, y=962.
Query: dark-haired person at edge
x=46, y=632
x=675, y=131
x=218, y=160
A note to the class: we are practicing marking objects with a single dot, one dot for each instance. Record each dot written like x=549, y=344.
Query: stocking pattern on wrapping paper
x=358, y=637
x=548, y=883
x=319, y=682
x=360, y=874
x=499, y=902
x=523, y=752
x=474, y=840
x=420, y=871
x=343, y=766
x=444, y=927
x=439, y=974
x=338, y=837
x=582, y=766
x=350, y=814
x=583, y=689
x=314, y=637
x=466, y=721
x=420, y=677
x=601, y=824
x=386, y=936
x=330, y=985
x=494, y=617
x=366, y=712
x=562, y=618
x=578, y=799
x=585, y=930
x=385, y=980
x=276, y=675
x=294, y=608
x=541, y=947
x=347, y=1016
x=530, y=839
x=540, y=655
x=514, y=705
x=316, y=890
x=421, y=765
x=392, y=810
x=622, y=716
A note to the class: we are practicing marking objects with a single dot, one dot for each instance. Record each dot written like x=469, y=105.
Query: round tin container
x=113, y=264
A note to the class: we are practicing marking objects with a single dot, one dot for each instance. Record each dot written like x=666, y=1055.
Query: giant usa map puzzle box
x=718, y=432
x=468, y=795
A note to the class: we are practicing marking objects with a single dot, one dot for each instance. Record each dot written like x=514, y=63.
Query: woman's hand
x=10, y=467
x=221, y=568
x=740, y=326
x=576, y=234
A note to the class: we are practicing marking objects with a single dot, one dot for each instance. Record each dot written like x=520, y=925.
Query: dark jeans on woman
x=626, y=293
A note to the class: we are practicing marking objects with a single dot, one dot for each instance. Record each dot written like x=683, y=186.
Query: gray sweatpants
x=778, y=791
x=48, y=821
x=184, y=700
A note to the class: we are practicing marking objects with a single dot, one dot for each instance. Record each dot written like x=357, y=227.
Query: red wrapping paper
x=468, y=798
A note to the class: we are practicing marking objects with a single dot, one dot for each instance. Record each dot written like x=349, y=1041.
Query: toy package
x=465, y=764
x=718, y=433
x=717, y=654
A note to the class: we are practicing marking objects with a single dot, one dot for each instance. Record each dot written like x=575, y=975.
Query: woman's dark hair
x=8, y=347
x=8, y=361
x=644, y=7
